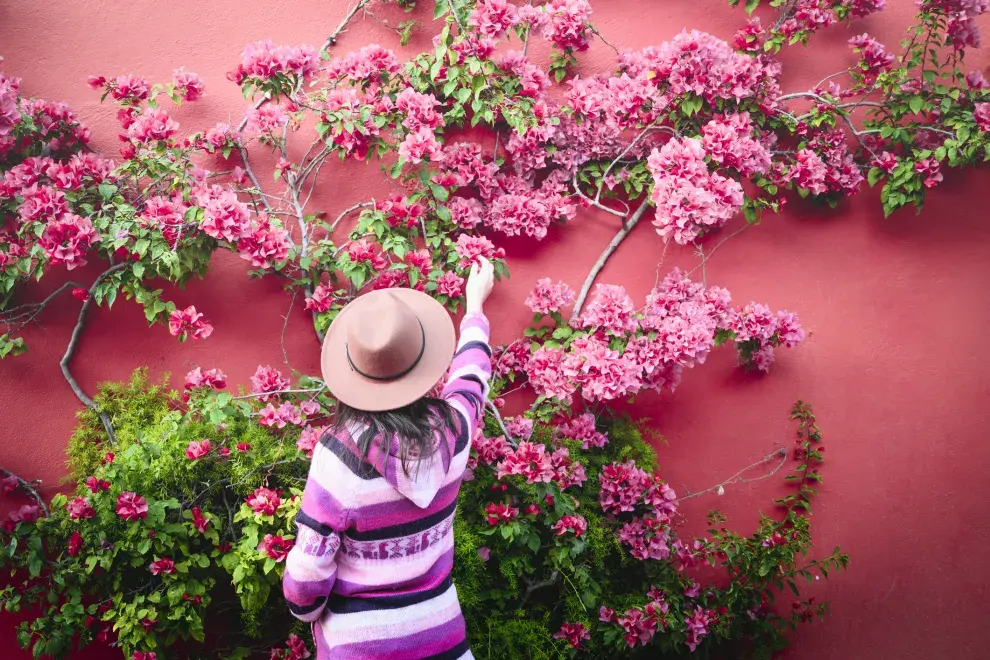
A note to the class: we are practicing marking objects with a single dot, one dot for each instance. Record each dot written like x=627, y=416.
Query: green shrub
x=168, y=576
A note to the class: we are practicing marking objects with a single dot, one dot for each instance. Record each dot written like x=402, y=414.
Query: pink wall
x=895, y=361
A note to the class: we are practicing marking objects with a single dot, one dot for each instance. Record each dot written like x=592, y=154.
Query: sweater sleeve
x=470, y=371
x=311, y=567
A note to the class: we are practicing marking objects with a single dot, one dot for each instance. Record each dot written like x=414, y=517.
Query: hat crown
x=385, y=339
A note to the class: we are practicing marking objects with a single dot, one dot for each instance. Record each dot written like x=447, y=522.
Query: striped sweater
x=375, y=547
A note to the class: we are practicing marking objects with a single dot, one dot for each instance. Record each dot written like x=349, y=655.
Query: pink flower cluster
x=263, y=60
x=309, y=438
x=198, y=449
x=639, y=625
x=469, y=248
x=574, y=633
x=582, y=428
x=497, y=513
x=286, y=413
x=163, y=566
x=188, y=322
x=981, y=114
x=575, y=524
x=873, y=57
x=690, y=199
x=66, y=238
x=131, y=506
x=493, y=18
x=564, y=23
x=10, y=115
x=275, y=547
x=536, y=464
x=962, y=14
x=189, y=85
x=295, y=650
x=697, y=626
x=364, y=65
x=491, y=450
x=264, y=501
x=704, y=65
x=728, y=139
x=267, y=380
x=611, y=309
x=547, y=297
x=321, y=300
x=153, y=124
x=212, y=378
x=79, y=509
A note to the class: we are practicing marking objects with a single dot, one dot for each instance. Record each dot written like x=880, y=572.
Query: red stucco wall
x=897, y=312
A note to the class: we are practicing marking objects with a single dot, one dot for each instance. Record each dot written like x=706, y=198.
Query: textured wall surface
x=895, y=361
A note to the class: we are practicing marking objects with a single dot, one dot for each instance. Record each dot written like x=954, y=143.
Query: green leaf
x=916, y=104
x=751, y=5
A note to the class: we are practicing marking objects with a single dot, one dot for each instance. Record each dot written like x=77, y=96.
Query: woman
x=375, y=546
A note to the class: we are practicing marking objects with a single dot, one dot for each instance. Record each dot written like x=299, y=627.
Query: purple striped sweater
x=375, y=547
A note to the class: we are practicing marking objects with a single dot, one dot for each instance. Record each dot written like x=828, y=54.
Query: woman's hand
x=479, y=285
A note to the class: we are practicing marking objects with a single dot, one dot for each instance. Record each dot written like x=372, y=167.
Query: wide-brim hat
x=386, y=349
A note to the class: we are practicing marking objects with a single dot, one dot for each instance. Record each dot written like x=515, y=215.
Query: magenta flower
x=321, y=300
x=75, y=543
x=497, y=512
x=264, y=501
x=576, y=524
x=152, y=124
x=186, y=322
x=144, y=655
x=276, y=547
x=267, y=380
x=131, y=506
x=188, y=84
x=308, y=439
x=212, y=378
x=450, y=285
x=162, y=566
x=199, y=520
x=198, y=449
x=546, y=297
x=26, y=513
x=128, y=87
x=574, y=633
x=96, y=485
x=79, y=509
x=10, y=484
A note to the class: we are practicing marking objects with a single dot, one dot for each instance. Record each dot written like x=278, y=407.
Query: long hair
x=409, y=432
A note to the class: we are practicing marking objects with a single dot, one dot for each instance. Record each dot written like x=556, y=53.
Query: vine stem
x=31, y=490
x=71, y=349
x=501, y=424
x=627, y=226
x=332, y=39
x=737, y=477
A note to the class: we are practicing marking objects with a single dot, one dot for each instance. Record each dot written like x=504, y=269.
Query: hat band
x=400, y=374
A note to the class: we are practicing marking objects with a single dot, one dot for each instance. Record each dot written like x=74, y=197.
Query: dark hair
x=413, y=428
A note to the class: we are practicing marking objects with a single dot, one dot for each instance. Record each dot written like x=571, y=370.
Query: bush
x=566, y=541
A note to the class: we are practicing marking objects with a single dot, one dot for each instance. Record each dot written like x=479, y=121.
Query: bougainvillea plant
x=173, y=542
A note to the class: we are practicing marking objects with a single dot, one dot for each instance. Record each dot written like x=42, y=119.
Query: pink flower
x=264, y=244
x=365, y=64
x=267, y=380
x=199, y=520
x=264, y=60
x=321, y=301
x=276, y=547
x=874, y=58
x=497, y=512
x=789, y=330
x=491, y=450
x=470, y=247
x=567, y=25
x=129, y=87
x=162, y=566
x=79, y=509
x=929, y=168
x=574, y=633
x=75, y=543
x=492, y=18
x=576, y=524
x=450, y=285
x=750, y=37
x=285, y=414
x=622, y=487
x=243, y=447
x=728, y=140
x=690, y=200
x=144, y=655
x=520, y=428
x=264, y=501
x=981, y=114
x=546, y=297
x=485, y=553
x=10, y=484
x=697, y=626
x=197, y=449
x=309, y=438
x=582, y=428
x=220, y=136
x=465, y=213
x=610, y=309
x=213, y=378
x=187, y=322
x=546, y=374
x=419, y=145
x=66, y=239
x=189, y=85
x=96, y=485
x=26, y=513
x=226, y=218
x=152, y=124
x=131, y=506
x=266, y=119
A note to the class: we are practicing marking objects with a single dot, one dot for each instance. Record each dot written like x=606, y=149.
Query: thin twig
x=31, y=310
x=255, y=395
x=536, y=586
x=646, y=131
x=332, y=39
x=501, y=424
x=71, y=349
x=29, y=487
x=254, y=179
x=597, y=205
x=347, y=211
x=704, y=270
x=604, y=40
x=720, y=244
x=288, y=313
x=627, y=226
x=737, y=477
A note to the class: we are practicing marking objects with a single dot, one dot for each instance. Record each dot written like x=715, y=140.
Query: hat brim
x=357, y=391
